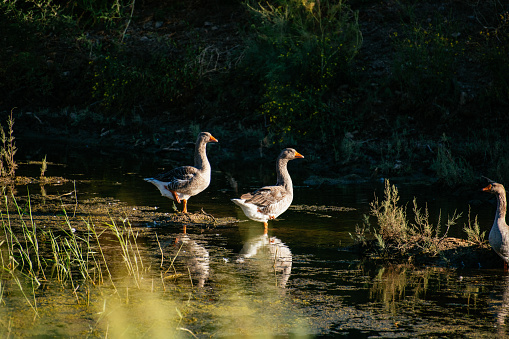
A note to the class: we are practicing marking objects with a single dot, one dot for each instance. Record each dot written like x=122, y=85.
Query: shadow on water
x=233, y=280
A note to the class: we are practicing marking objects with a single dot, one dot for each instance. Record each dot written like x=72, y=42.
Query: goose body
x=269, y=202
x=499, y=233
x=183, y=182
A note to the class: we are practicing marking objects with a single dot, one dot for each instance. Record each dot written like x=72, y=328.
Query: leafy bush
x=494, y=54
x=424, y=69
x=122, y=81
x=301, y=53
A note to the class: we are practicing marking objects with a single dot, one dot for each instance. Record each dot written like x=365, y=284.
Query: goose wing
x=179, y=177
x=265, y=196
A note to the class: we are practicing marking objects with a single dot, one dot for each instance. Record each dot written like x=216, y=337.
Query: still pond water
x=317, y=290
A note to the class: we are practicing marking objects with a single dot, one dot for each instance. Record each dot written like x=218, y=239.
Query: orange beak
x=487, y=188
x=298, y=155
x=213, y=139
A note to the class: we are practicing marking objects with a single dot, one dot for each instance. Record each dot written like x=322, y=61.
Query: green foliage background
x=297, y=70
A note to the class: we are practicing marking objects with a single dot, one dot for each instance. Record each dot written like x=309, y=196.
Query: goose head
x=290, y=154
x=494, y=188
x=205, y=137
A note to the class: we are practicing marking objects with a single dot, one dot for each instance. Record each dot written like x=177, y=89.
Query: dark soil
x=451, y=253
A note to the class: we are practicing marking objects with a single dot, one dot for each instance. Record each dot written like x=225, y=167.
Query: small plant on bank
x=395, y=233
x=391, y=218
x=44, y=167
x=361, y=232
x=473, y=231
x=8, y=150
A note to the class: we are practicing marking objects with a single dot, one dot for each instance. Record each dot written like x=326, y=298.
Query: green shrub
x=452, y=170
x=393, y=230
x=473, y=231
x=494, y=51
x=424, y=69
x=391, y=218
x=121, y=82
x=301, y=53
x=7, y=150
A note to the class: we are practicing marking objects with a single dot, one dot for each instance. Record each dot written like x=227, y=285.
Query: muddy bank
x=53, y=211
x=451, y=253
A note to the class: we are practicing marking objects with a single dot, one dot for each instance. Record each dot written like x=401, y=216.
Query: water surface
x=296, y=280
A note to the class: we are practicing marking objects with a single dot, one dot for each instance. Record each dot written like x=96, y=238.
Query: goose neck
x=283, y=176
x=501, y=205
x=200, y=156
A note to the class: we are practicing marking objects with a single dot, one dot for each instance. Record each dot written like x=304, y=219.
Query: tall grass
x=65, y=254
x=111, y=279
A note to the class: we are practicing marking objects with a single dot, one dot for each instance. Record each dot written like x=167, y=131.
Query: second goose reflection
x=190, y=257
x=271, y=254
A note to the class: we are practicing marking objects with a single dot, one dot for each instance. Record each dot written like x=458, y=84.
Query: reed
x=130, y=252
x=71, y=255
x=100, y=267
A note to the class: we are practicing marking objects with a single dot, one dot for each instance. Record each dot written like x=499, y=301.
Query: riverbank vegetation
x=371, y=88
x=62, y=257
x=391, y=232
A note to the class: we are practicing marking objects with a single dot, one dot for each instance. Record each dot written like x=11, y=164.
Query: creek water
x=298, y=280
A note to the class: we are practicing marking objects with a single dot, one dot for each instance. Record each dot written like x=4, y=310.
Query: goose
x=183, y=182
x=499, y=234
x=269, y=202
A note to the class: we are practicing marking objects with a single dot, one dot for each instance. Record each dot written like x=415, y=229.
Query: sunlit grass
x=88, y=277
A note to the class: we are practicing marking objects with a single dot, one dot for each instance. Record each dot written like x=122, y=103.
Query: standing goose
x=499, y=234
x=183, y=182
x=271, y=201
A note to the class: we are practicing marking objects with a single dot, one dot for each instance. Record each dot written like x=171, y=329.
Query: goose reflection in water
x=193, y=256
x=274, y=251
x=503, y=311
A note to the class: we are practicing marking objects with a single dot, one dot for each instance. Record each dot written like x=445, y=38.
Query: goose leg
x=265, y=227
x=175, y=195
x=185, y=206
